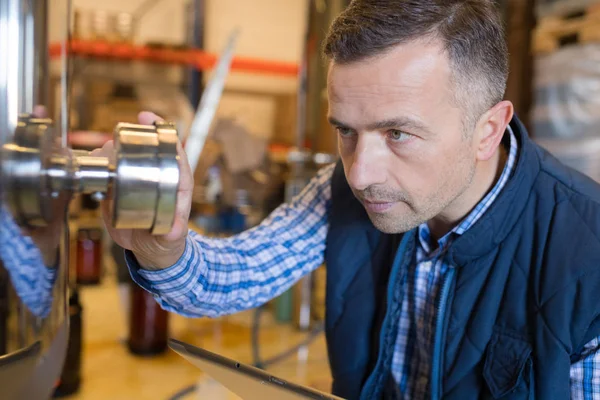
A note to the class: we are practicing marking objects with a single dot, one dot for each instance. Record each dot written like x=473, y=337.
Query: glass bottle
x=148, y=324
x=89, y=256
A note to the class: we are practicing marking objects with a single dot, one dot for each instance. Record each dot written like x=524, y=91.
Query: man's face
x=401, y=136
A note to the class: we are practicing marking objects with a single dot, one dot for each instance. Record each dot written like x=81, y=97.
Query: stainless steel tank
x=39, y=176
x=33, y=276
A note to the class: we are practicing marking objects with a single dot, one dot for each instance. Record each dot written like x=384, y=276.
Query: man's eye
x=399, y=136
x=344, y=131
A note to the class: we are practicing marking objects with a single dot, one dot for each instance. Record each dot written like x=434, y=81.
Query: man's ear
x=491, y=128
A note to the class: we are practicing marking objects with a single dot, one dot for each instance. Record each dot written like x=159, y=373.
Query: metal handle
x=142, y=183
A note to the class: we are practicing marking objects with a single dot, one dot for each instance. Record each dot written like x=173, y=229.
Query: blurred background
x=257, y=65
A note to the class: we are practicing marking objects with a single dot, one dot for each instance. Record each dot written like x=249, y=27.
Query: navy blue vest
x=519, y=304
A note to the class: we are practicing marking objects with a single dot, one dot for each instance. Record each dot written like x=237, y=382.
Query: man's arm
x=215, y=277
x=585, y=373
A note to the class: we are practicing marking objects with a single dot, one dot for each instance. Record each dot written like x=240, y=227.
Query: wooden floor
x=111, y=372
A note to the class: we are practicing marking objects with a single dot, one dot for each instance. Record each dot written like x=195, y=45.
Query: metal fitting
x=142, y=184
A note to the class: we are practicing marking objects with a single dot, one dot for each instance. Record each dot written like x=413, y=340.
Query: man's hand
x=155, y=251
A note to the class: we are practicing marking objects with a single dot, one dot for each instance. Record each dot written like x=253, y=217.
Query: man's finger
x=148, y=118
x=185, y=171
x=40, y=111
x=107, y=150
x=115, y=234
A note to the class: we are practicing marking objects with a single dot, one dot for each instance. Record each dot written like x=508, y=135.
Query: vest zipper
x=366, y=392
x=436, y=370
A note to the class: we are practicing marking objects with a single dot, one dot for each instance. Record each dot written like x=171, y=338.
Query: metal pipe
x=310, y=107
x=93, y=174
x=24, y=71
x=10, y=12
x=34, y=44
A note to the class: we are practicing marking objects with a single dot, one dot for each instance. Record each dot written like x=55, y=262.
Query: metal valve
x=142, y=181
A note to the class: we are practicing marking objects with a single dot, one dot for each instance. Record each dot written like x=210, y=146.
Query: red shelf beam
x=194, y=58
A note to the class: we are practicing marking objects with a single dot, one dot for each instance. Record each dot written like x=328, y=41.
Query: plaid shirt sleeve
x=216, y=277
x=585, y=373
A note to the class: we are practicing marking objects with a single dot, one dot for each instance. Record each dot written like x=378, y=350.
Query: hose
x=258, y=362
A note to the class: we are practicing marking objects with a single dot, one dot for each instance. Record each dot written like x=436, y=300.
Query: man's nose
x=367, y=166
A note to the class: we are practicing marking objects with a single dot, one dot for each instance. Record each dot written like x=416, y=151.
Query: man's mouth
x=377, y=206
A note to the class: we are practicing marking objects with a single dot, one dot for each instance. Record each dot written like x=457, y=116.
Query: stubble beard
x=406, y=215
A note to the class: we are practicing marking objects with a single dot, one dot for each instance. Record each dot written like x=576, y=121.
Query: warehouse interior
x=253, y=69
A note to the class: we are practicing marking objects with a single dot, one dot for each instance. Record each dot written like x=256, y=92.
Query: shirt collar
x=424, y=233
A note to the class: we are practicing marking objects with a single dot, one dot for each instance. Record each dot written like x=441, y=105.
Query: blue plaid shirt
x=223, y=276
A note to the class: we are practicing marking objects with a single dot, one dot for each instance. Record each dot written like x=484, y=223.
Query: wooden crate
x=549, y=8
x=520, y=22
x=553, y=32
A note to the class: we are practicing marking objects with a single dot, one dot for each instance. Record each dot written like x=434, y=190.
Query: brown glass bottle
x=148, y=324
x=89, y=256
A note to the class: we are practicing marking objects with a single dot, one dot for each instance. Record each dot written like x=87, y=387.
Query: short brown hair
x=471, y=30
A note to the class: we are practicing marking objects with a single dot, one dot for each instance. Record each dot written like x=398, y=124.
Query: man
x=462, y=260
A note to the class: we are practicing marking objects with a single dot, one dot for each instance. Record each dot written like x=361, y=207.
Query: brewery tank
x=33, y=263
x=40, y=175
